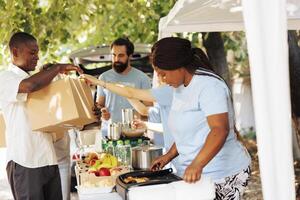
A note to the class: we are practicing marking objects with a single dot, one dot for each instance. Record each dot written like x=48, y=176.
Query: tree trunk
x=294, y=63
x=214, y=46
x=294, y=60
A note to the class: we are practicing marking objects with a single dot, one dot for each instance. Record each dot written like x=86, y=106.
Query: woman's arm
x=161, y=161
x=219, y=129
x=139, y=106
x=157, y=127
x=122, y=90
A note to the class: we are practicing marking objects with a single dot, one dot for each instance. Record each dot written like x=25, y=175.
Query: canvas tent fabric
x=215, y=16
x=268, y=53
x=265, y=23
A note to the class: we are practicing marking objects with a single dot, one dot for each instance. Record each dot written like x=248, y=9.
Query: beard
x=120, y=67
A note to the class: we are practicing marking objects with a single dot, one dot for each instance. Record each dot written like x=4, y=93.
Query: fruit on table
x=92, y=162
x=109, y=160
x=91, y=156
x=104, y=171
x=105, y=161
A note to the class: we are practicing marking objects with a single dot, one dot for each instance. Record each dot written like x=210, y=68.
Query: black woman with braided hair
x=201, y=120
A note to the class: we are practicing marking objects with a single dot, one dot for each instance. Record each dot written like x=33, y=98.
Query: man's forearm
x=38, y=80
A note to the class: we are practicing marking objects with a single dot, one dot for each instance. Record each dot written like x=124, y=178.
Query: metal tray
x=156, y=177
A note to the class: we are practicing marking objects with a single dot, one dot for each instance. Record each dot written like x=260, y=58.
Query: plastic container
x=87, y=137
x=110, y=148
x=119, y=151
x=127, y=159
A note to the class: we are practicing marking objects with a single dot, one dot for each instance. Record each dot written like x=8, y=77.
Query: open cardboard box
x=64, y=104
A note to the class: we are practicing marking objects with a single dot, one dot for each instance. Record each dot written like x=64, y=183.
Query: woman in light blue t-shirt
x=201, y=120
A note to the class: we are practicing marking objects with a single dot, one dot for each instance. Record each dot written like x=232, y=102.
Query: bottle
x=119, y=151
x=104, y=144
x=127, y=154
x=110, y=148
x=139, y=142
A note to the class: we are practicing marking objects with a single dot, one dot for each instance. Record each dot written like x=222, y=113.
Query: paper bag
x=64, y=104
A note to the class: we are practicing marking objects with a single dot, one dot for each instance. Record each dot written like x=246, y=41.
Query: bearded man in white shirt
x=31, y=161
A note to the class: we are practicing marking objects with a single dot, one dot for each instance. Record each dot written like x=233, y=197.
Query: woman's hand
x=92, y=80
x=138, y=124
x=160, y=162
x=192, y=173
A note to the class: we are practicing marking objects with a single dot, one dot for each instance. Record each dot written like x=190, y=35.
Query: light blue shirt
x=205, y=96
x=115, y=103
x=163, y=96
x=160, y=113
x=154, y=116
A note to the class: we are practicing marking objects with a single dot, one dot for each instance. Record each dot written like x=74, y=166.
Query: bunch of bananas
x=105, y=160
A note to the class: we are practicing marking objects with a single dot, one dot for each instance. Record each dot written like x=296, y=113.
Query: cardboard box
x=2, y=131
x=64, y=104
x=57, y=136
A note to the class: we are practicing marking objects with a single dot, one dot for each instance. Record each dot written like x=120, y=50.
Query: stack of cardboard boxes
x=64, y=104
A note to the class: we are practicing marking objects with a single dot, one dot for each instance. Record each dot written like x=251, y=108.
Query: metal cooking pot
x=143, y=156
x=114, y=131
x=127, y=115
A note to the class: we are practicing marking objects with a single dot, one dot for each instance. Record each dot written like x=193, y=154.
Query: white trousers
x=65, y=177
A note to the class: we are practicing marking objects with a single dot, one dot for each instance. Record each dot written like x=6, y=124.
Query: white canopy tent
x=214, y=16
x=265, y=23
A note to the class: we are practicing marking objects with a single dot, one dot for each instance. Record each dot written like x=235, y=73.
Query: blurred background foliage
x=62, y=26
x=65, y=25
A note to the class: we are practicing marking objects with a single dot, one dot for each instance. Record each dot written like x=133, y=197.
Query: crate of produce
x=97, y=173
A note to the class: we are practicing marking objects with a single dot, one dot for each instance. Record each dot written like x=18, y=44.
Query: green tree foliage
x=235, y=46
x=237, y=55
x=64, y=25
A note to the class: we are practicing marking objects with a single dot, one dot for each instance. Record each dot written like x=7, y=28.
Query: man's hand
x=65, y=68
x=97, y=111
x=62, y=68
x=105, y=114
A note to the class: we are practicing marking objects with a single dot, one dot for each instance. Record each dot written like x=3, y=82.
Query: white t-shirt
x=25, y=147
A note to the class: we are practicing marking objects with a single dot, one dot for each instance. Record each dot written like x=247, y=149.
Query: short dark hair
x=20, y=38
x=124, y=42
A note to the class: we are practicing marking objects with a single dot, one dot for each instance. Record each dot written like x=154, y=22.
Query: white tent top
x=215, y=16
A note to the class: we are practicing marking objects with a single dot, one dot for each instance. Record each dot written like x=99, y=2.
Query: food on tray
x=131, y=179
